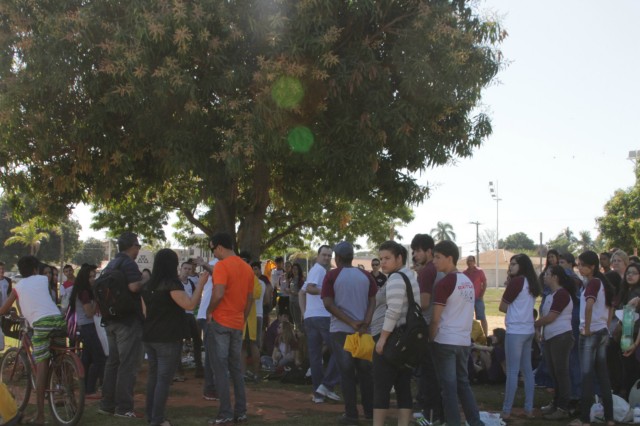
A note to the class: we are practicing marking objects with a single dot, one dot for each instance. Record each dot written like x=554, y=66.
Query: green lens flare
x=287, y=92
x=300, y=139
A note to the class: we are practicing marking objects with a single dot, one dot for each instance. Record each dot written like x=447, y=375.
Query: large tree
x=265, y=118
x=518, y=241
x=620, y=225
x=92, y=251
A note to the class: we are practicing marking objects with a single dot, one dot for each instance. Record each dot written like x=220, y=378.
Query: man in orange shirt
x=231, y=301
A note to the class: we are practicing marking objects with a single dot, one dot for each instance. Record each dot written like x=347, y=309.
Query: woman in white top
x=517, y=302
x=393, y=259
x=556, y=313
x=595, y=314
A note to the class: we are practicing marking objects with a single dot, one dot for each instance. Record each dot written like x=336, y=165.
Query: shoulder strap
x=193, y=286
x=408, y=284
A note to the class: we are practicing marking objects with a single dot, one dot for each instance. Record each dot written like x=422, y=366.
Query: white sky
x=562, y=124
x=562, y=116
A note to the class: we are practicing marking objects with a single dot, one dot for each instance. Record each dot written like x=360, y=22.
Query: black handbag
x=407, y=344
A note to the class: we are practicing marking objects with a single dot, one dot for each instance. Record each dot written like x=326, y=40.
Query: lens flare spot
x=300, y=139
x=287, y=92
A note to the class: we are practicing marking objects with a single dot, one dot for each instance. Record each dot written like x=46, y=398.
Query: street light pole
x=477, y=224
x=493, y=189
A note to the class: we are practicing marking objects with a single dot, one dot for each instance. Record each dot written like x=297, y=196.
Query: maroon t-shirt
x=427, y=277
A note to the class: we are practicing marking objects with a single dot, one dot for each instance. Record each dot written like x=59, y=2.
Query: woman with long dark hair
x=595, y=314
x=558, y=338
x=47, y=271
x=629, y=290
x=517, y=302
x=164, y=327
x=542, y=375
x=82, y=301
x=296, y=281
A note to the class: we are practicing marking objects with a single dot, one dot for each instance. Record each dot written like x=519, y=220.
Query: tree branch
x=192, y=219
x=287, y=231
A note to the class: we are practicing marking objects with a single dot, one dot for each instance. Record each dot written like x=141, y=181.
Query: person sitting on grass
x=44, y=317
x=285, y=351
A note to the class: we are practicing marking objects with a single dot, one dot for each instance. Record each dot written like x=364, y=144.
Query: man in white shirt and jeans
x=450, y=331
x=317, y=321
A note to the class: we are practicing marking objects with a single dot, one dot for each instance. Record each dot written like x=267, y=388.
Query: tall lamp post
x=493, y=190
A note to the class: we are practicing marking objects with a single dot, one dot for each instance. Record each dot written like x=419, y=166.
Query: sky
x=563, y=113
x=565, y=116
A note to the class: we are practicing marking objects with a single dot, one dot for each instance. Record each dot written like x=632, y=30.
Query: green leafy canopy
x=146, y=107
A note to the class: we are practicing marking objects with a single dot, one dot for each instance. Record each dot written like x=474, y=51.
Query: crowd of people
x=574, y=346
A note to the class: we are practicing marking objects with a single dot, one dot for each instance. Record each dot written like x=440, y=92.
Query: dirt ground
x=266, y=401
x=270, y=403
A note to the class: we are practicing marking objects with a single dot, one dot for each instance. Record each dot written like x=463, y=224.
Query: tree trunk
x=251, y=228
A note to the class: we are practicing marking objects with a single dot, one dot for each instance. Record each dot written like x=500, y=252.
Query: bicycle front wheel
x=15, y=372
x=66, y=389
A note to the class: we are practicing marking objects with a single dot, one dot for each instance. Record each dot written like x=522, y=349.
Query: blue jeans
x=121, y=370
x=317, y=329
x=209, y=382
x=429, y=387
x=451, y=367
x=574, y=368
x=353, y=372
x=93, y=357
x=226, y=344
x=518, y=359
x=593, y=362
x=163, y=362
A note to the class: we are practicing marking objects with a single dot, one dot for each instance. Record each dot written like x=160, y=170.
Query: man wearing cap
x=349, y=295
x=124, y=337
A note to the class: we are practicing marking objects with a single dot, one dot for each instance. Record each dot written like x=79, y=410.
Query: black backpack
x=407, y=344
x=113, y=295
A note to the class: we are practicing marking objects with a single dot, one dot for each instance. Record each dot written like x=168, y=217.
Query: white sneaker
x=308, y=373
x=317, y=399
x=324, y=391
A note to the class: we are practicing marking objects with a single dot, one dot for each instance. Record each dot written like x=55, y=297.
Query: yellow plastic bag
x=8, y=409
x=360, y=345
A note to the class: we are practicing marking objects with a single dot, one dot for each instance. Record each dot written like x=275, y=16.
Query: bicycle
x=65, y=382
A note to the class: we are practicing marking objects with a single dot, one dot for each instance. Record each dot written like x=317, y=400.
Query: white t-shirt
x=206, y=294
x=4, y=290
x=277, y=278
x=519, y=318
x=315, y=307
x=189, y=290
x=260, y=300
x=34, y=298
x=4, y=293
x=594, y=289
x=559, y=302
x=456, y=292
